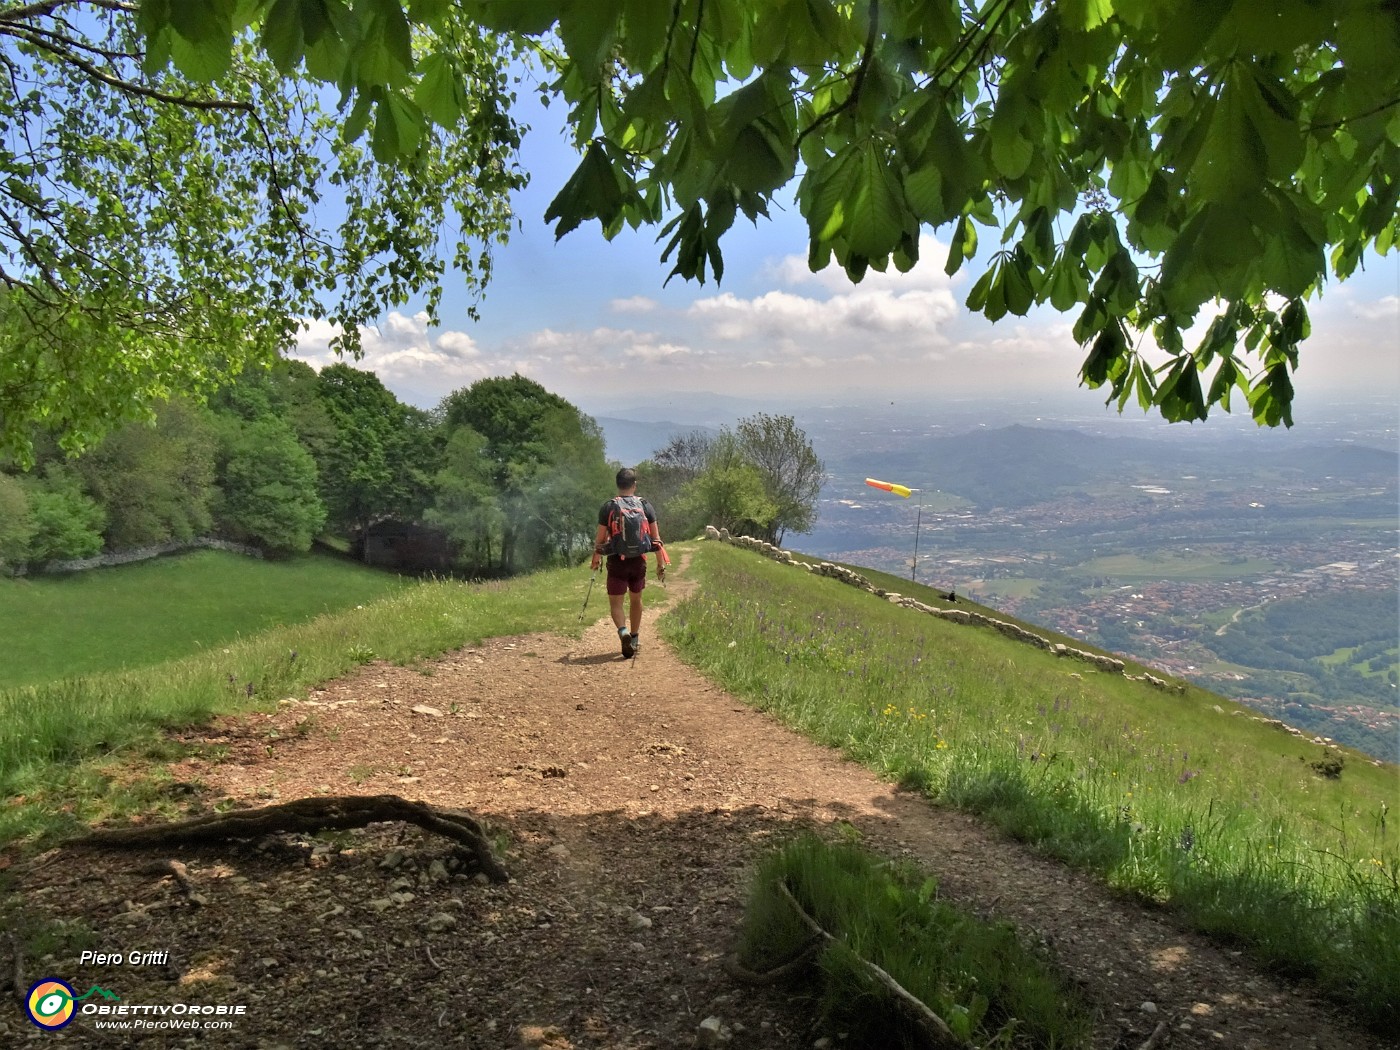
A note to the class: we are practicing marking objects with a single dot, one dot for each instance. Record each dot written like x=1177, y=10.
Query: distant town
x=1254, y=579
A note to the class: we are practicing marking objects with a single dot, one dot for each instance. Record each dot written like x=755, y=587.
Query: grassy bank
x=137, y=615
x=985, y=984
x=55, y=738
x=1181, y=798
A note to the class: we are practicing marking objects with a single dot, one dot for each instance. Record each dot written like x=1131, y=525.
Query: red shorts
x=626, y=574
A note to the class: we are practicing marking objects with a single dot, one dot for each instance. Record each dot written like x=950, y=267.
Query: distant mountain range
x=629, y=442
x=1019, y=465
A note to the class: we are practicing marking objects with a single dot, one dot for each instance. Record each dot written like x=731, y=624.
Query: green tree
x=268, y=488
x=154, y=481
x=176, y=201
x=664, y=476
x=382, y=457
x=791, y=472
x=731, y=494
x=16, y=523
x=545, y=460
x=464, y=501
x=293, y=393
x=684, y=455
x=68, y=523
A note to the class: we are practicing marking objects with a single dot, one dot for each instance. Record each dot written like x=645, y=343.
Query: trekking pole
x=588, y=594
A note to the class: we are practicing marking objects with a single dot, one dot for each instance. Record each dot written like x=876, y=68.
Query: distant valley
x=1262, y=565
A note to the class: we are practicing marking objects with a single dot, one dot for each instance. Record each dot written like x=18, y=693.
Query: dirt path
x=633, y=796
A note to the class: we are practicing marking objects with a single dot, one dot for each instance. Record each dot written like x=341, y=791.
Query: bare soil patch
x=631, y=798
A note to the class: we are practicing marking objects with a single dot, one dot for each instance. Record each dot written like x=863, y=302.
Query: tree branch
x=1334, y=124
x=976, y=58
x=851, y=99
x=126, y=86
x=963, y=43
x=670, y=36
x=305, y=815
x=935, y=1029
x=64, y=41
x=48, y=7
x=695, y=40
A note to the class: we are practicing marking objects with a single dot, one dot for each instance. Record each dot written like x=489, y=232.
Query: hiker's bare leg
x=636, y=611
x=619, y=619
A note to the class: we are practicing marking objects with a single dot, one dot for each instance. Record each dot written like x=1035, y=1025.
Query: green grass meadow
x=129, y=616
x=1125, y=568
x=58, y=739
x=1181, y=798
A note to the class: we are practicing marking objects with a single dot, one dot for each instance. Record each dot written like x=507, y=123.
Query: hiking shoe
x=628, y=647
x=636, y=644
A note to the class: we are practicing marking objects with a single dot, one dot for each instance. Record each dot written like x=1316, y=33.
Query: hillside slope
x=633, y=797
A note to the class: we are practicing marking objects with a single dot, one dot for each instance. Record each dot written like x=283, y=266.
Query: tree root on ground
x=305, y=816
x=17, y=972
x=1161, y=1036
x=805, y=956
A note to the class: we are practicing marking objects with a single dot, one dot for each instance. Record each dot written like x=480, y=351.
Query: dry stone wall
x=100, y=561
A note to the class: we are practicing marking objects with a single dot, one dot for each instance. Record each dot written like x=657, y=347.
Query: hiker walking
x=626, y=534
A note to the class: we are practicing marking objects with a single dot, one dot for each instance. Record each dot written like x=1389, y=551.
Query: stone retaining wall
x=100, y=561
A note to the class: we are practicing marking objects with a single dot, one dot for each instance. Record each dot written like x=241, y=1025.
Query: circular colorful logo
x=50, y=1003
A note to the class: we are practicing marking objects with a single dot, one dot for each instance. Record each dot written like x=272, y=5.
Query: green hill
x=1249, y=833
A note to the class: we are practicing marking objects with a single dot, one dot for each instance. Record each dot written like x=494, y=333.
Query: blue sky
x=592, y=321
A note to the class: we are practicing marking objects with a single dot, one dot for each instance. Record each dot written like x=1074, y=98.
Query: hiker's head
x=626, y=479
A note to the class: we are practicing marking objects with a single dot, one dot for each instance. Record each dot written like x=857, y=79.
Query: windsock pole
x=918, y=521
x=906, y=492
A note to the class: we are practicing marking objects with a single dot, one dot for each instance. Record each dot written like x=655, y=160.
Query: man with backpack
x=626, y=535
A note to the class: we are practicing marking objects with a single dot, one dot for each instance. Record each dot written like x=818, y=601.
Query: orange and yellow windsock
x=898, y=490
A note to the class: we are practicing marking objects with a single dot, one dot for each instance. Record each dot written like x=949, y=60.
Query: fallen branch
x=1161, y=1036
x=175, y=870
x=17, y=974
x=934, y=1027
x=305, y=816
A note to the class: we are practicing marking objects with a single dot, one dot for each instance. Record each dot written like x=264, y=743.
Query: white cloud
x=404, y=352
x=657, y=352
x=904, y=316
x=1384, y=309
x=458, y=344
x=787, y=329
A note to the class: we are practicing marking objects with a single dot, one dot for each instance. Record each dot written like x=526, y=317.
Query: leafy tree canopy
x=1153, y=165
x=792, y=473
x=267, y=487
x=16, y=524
x=544, y=461
x=380, y=462
x=178, y=191
x=154, y=483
